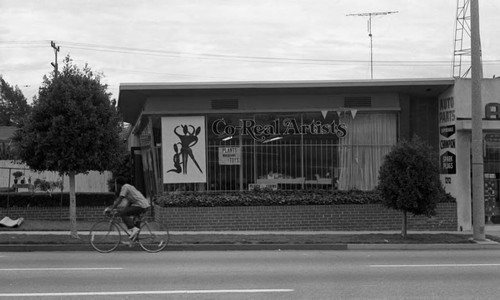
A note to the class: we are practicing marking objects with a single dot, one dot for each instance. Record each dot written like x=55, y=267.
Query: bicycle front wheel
x=105, y=236
x=153, y=236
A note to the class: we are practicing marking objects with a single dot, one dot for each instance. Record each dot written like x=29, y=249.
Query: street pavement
x=270, y=275
x=487, y=244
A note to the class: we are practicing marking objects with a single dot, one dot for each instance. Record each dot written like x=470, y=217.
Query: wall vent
x=225, y=104
x=357, y=102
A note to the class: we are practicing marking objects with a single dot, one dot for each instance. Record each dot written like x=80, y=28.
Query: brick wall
x=372, y=217
x=53, y=213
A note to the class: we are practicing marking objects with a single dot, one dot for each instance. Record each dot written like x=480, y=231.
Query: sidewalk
x=55, y=237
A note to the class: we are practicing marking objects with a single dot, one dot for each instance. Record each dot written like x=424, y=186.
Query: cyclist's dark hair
x=121, y=180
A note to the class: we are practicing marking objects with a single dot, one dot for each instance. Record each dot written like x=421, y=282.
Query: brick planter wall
x=53, y=213
x=372, y=217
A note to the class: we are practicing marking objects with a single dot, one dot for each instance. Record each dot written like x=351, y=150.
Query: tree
x=409, y=180
x=13, y=104
x=72, y=129
x=120, y=170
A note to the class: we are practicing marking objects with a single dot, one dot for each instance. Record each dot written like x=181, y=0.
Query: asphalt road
x=251, y=275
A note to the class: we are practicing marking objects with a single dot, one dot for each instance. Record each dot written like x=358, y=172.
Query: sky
x=166, y=41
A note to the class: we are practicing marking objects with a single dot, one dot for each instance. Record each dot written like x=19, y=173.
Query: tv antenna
x=369, y=15
x=462, y=44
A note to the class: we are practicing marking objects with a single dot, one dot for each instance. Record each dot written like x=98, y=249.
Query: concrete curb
x=472, y=246
x=257, y=247
x=178, y=247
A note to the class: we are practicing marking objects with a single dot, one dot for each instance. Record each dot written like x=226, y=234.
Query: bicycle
x=105, y=235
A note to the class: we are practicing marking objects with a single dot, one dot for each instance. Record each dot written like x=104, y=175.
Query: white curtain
x=370, y=136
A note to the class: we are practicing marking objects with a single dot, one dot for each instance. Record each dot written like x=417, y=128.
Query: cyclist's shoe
x=133, y=233
x=128, y=243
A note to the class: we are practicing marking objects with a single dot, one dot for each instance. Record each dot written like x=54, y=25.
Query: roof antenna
x=369, y=15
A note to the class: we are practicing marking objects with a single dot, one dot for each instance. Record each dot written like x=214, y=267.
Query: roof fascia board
x=286, y=84
x=201, y=112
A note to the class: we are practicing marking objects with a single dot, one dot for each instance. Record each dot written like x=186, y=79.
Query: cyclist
x=137, y=204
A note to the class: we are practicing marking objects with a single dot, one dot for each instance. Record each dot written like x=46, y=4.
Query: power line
x=258, y=59
x=286, y=60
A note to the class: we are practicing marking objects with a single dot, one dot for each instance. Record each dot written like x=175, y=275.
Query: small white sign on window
x=229, y=155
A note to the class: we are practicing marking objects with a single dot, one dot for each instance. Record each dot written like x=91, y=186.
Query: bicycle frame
x=114, y=219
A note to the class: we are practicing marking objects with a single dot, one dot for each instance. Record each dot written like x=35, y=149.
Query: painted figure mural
x=188, y=139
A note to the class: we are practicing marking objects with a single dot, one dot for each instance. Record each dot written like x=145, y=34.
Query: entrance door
x=137, y=170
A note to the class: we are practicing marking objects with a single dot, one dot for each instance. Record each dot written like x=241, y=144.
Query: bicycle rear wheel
x=105, y=236
x=153, y=236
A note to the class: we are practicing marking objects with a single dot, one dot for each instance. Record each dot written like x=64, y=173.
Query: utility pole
x=477, y=127
x=369, y=15
x=54, y=64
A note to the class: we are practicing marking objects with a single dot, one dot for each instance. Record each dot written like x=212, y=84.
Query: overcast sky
x=244, y=40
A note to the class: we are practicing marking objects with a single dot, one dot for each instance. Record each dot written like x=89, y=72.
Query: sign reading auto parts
x=447, y=136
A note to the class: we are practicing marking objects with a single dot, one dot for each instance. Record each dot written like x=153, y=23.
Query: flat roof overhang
x=132, y=96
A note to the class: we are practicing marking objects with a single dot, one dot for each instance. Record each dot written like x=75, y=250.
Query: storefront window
x=361, y=152
x=312, y=150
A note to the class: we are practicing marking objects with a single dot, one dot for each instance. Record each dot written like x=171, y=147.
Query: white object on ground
x=8, y=222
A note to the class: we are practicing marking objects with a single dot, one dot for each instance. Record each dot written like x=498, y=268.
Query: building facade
x=291, y=135
x=455, y=146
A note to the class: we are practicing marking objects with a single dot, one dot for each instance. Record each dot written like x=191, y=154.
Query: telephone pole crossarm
x=54, y=64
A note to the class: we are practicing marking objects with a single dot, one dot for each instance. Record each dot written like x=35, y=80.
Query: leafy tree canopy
x=73, y=128
x=13, y=104
x=409, y=178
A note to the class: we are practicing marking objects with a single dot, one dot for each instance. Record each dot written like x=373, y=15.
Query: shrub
x=409, y=179
x=54, y=199
x=17, y=174
x=266, y=198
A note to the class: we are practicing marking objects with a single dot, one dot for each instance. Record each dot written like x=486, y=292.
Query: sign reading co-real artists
x=288, y=126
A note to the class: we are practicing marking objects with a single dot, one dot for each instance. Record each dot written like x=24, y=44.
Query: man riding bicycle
x=137, y=204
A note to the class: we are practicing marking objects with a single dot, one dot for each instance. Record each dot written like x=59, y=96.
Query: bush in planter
x=409, y=180
x=267, y=198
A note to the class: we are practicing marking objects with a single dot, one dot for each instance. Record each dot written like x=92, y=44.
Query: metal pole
x=477, y=127
x=240, y=141
x=55, y=64
x=369, y=15
x=8, y=191
x=371, y=45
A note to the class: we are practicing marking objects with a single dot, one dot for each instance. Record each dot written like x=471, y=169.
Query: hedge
x=54, y=199
x=268, y=198
x=206, y=199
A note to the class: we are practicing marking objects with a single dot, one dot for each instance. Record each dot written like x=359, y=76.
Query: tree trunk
x=405, y=225
x=72, y=205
